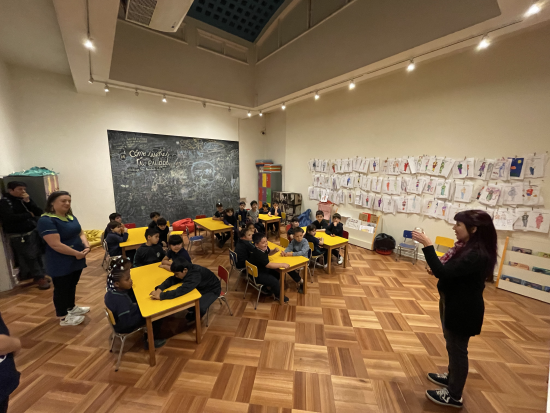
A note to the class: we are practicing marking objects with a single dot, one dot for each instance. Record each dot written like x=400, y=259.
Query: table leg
x=151, y=341
x=329, y=259
x=346, y=255
x=213, y=242
x=232, y=235
x=265, y=222
x=282, y=293
x=124, y=252
x=305, y=279
x=198, y=321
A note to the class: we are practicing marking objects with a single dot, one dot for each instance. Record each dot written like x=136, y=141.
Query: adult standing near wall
x=19, y=214
x=462, y=273
x=66, y=252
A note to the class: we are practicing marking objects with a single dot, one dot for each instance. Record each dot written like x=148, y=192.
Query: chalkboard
x=178, y=176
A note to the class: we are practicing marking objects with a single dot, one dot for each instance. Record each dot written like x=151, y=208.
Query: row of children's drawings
x=525, y=283
x=526, y=267
x=530, y=166
x=529, y=251
x=514, y=193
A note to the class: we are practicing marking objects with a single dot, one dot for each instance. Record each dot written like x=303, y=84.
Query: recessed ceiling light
x=88, y=44
x=411, y=66
x=317, y=96
x=484, y=43
x=534, y=9
x=352, y=84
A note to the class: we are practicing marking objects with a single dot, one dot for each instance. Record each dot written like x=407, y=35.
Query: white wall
x=276, y=146
x=67, y=132
x=9, y=146
x=252, y=146
x=477, y=104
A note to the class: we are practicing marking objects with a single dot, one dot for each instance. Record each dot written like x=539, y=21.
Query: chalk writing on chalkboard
x=180, y=177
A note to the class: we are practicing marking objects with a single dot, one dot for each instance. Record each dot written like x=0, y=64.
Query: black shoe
x=277, y=298
x=157, y=344
x=439, y=379
x=301, y=288
x=443, y=398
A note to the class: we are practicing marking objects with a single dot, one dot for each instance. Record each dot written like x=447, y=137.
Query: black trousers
x=457, y=350
x=260, y=228
x=28, y=254
x=273, y=226
x=4, y=405
x=205, y=301
x=224, y=236
x=270, y=279
x=64, y=291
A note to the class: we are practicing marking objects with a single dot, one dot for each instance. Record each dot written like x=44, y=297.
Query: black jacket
x=16, y=216
x=461, y=282
x=123, y=305
x=243, y=249
x=337, y=230
x=9, y=376
x=204, y=280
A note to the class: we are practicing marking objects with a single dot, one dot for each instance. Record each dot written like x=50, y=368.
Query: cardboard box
x=364, y=216
x=374, y=219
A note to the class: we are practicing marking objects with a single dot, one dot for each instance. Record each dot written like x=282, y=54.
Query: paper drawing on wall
x=430, y=186
x=416, y=185
x=517, y=171
x=463, y=192
x=386, y=185
x=446, y=166
x=358, y=198
x=490, y=195
x=405, y=166
x=512, y=194
x=376, y=184
x=389, y=204
x=532, y=195
x=364, y=165
x=503, y=219
x=412, y=164
x=483, y=168
x=404, y=183
x=419, y=164
x=375, y=165
x=452, y=210
x=459, y=169
x=534, y=166
x=441, y=210
x=435, y=164
x=443, y=189
x=414, y=204
x=425, y=164
x=428, y=206
x=537, y=220
x=501, y=170
x=401, y=203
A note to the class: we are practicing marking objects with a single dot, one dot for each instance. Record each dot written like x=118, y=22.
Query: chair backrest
x=284, y=242
x=407, y=234
x=288, y=227
x=310, y=245
x=200, y=216
x=345, y=234
x=444, y=242
x=232, y=258
x=283, y=215
x=102, y=237
x=110, y=316
x=131, y=225
x=239, y=218
x=309, y=253
x=105, y=246
x=251, y=270
x=222, y=273
x=187, y=231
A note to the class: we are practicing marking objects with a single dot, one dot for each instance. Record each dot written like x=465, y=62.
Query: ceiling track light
x=352, y=84
x=411, y=66
x=534, y=9
x=229, y=109
x=91, y=80
x=283, y=107
x=88, y=44
x=164, y=99
x=106, y=89
x=249, y=114
x=261, y=114
x=136, y=93
x=484, y=43
x=317, y=96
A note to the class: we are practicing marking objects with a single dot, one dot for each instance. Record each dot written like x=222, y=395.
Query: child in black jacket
x=190, y=276
x=336, y=229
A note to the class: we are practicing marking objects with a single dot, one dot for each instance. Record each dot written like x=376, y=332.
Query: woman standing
x=66, y=251
x=462, y=273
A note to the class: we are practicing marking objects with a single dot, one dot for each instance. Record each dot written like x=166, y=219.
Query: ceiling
x=243, y=18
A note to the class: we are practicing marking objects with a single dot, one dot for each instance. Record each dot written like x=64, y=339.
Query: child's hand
x=155, y=295
x=284, y=265
x=276, y=250
x=332, y=235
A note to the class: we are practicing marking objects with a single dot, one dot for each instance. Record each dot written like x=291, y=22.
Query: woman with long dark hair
x=66, y=250
x=462, y=273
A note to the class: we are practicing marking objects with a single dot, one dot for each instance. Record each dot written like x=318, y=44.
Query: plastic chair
x=129, y=226
x=404, y=245
x=283, y=217
x=284, y=242
x=106, y=257
x=314, y=259
x=233, y=262
x=443, y=242
x=287, y=228
x=223, y=275
x=122, y=337
x=252, y=272
x=198, y=227
x=192, y=240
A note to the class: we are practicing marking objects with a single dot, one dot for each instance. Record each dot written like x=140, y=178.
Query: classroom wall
x=9, y=146
x=477, y=104
x=67, y=132
x=252, y=147
x=276, y=147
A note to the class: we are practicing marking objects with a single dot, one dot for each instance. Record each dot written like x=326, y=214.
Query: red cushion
x=222, y=294
x=182, y=223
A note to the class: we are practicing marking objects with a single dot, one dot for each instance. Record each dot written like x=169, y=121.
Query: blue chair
x=407, y=235
x=192, y=240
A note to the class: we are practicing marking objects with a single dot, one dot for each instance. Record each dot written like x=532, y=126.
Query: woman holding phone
x=462, y=273
x=66, y=250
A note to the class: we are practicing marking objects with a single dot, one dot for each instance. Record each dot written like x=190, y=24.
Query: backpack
x=384, y=244
x=182, y=223
x=304, y=218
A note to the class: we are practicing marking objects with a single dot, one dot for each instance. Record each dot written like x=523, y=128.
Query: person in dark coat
x=9, y=376
x=461, y=273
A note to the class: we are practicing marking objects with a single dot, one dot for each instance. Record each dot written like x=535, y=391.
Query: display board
x=178, y=176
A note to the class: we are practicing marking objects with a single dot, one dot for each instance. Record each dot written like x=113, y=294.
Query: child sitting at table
x=296, y=248
x=112, y=217
x=320, y=222
x=230, y=219
x=336, y=229
x=294, y=223
x=317, y=250
x=176, y=251
x=241, y=213
x=121, y=301
x=118, y=233
x=163, y=229
x=151, y=251
x=219, y=215
x=244, y=246
x=154, y=217
x=253, y=216
x=275, y=211
x=190, y=276
x=265, y=208
x=252, y=227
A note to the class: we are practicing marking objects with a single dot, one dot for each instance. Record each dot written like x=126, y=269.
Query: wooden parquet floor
x=361, y=340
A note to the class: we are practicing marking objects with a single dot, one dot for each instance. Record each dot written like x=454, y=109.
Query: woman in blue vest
x=66, y=250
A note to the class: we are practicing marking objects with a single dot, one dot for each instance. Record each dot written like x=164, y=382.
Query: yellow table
x=269, y=219
x=136, y=237
x=215, y=227
x=331, y=243
x=294, y=262
x=145, y=279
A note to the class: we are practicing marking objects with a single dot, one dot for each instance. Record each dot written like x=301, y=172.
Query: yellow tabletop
x=292, y=261
x=265, y=217
x=135, y=236
x=211, y=225
x=145, y=280
x=328, y=240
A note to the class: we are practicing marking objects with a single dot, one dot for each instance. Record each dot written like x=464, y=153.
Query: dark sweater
x=315, y=242
x=181, y=255
x=113, y=240
x=146, y=255
x=320, y=225
x=461, y=284
x=242, y=249
x=337, y=230
x=15, y=215
x=123, y=305
x=241, y=214
x=9, y=376
x=204, y=280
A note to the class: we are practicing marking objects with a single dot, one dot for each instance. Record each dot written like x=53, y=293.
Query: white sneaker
x=340, y=260
x=71, y=320
x=76, y=310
